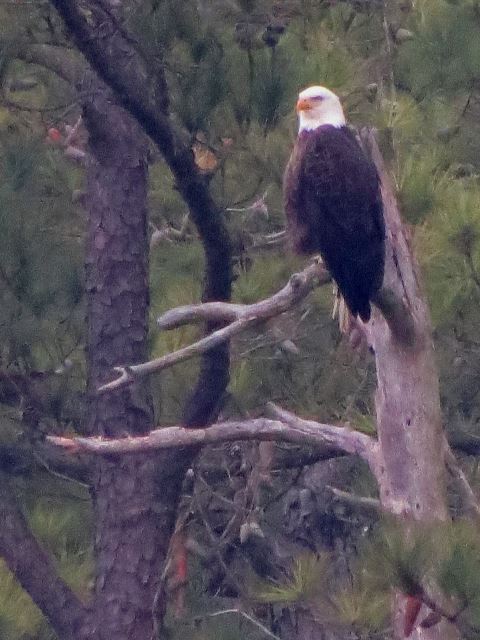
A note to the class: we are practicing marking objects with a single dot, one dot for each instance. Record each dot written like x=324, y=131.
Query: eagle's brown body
x=333, y=206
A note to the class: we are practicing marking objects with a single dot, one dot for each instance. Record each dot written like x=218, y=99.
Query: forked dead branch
x=240, y=316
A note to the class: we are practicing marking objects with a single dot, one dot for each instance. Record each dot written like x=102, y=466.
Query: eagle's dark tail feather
x=358, y=305
x=364, y=312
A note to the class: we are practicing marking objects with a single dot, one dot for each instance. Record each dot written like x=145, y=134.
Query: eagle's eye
x=317, y=98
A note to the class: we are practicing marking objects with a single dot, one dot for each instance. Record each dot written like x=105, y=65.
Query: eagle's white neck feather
x=309, y=123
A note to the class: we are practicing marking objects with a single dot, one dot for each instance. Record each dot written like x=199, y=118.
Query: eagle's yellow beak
x=303, y=104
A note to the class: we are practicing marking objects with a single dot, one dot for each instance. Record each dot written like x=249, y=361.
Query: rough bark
x=133, y=519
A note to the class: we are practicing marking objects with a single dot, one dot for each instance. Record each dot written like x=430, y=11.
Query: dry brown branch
x=241, y=318
x=217, y=543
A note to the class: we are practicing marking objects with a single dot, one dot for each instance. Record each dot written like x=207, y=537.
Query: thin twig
x=57, y=474
x=239, y=612
x=359, y=502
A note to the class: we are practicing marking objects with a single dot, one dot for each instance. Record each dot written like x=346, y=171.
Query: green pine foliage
x=446, y=41
x=309, y=576
x=418, y=559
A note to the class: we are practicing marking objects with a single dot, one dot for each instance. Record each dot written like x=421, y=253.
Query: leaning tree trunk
x=411, y=470
x=135, y=497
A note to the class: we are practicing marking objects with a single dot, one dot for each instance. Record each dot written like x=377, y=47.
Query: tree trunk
x=135, y=497
x=411, y=472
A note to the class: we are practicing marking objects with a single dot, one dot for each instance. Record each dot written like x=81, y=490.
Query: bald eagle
x=333, y=202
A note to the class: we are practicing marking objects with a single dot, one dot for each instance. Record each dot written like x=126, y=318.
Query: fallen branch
x=241, y=317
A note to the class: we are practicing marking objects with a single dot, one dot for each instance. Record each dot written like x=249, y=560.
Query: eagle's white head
x=317, y=106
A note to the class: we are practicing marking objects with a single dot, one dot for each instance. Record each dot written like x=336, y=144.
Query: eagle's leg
x=341, y=309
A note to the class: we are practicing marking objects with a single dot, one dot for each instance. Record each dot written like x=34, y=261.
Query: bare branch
x=196, y=313
x=26, y=456
x=297, y=288
x=358, y=502
x=269, y=241
x=217, y=546
x=243, y=317
x=287, y=428
x=469, y=498
x=344, y=438
x=129, y=374
x=36, y=572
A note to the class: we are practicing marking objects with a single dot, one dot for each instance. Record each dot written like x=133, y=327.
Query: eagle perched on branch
x=333, y=201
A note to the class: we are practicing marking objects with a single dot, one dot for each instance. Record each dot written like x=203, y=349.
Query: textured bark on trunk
x=135, y=497
x=411, y=473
